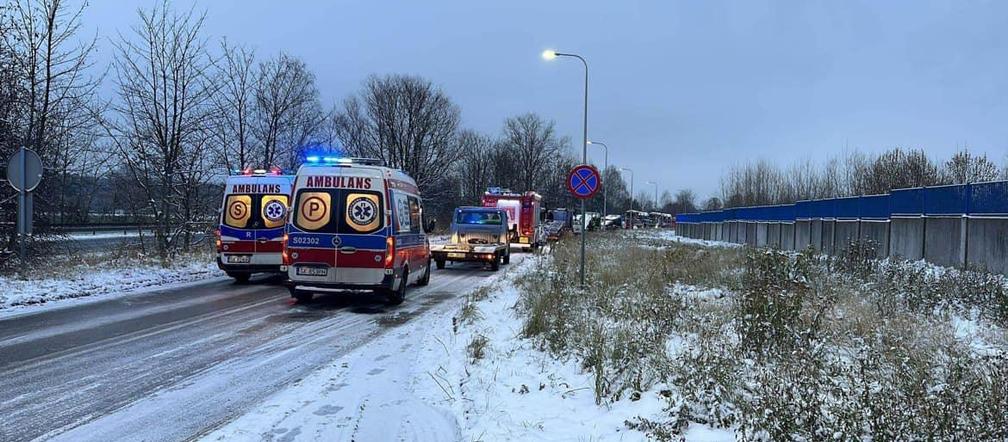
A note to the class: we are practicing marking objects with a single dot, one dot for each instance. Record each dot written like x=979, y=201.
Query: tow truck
x=478, y=234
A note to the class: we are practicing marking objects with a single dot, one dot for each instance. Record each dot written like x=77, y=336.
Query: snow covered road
x=177, y=364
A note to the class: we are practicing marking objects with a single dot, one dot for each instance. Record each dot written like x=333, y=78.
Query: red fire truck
x=524, y=215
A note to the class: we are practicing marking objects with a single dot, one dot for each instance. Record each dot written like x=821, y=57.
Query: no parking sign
x=584, y=181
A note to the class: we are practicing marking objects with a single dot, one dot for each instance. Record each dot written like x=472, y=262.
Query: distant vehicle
x=611, y=222
x=524, y=216
x=663, y=220
x=592, y=222
x=636, y=219
x=251, y=225
x=558, y=223
x=478, y=234
x=355, y=225
x=562, y=215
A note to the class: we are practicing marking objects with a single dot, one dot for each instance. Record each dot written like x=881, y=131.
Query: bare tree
x=965, y=167
x=234, y=105
x=161, y=117
x=534, y=145
x=475, y=167
x=712, y=203
x=406, y=122
x=287, y=111
x=685, y=201
x=50, y=97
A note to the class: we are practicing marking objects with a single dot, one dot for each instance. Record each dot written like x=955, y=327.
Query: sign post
x=24, y=173
x=583, y=182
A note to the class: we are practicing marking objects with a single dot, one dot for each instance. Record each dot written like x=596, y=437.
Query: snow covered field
x=84, y=281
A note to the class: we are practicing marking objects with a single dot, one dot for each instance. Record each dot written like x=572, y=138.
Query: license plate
x=456, y=255
x=312, y=271
x=239, y=259
x=523, y=240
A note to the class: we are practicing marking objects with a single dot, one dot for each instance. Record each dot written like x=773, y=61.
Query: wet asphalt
x=175, y=364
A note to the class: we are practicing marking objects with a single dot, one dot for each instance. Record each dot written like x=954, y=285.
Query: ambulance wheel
x=495, y=264
x=426, y=276
x=240, y=278
x=439, y=263
x=507, y=257
x=301, y=296
x=398, y=295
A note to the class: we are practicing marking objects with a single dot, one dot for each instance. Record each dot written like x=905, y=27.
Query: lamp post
x=625, y=169
x=605, y=190
x=655, y=194
x=549, y=55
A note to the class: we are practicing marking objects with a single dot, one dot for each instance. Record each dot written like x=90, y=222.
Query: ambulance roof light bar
x=248, y=171
x=338, y=160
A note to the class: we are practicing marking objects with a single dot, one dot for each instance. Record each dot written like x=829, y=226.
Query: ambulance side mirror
x=430, y=224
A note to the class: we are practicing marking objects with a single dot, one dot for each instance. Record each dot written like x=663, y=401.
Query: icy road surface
x=174, y=365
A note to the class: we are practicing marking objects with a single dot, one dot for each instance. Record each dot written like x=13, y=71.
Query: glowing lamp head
x=549, y=54
x=313, y=158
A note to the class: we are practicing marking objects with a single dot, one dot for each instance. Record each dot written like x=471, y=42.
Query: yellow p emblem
x=313, y=210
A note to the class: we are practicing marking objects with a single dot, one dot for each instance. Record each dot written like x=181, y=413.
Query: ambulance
x=251, y=229
x=355, y=225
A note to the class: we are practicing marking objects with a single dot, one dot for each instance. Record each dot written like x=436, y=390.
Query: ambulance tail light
x=217, y=240
x=389, y=252
x=285, y=254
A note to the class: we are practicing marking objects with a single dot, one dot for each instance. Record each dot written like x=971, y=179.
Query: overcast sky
x=680, y=90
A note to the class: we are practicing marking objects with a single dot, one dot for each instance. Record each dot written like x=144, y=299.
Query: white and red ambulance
x=524, y=214
x=251, y=230
x=355, y=225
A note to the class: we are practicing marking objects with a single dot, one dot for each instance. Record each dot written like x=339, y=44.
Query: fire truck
x=524, y=216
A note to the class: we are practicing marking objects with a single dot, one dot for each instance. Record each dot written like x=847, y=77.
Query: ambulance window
x=273, y=210
x=238, y=211
x=363, y=212
x=414, y=214
x=314, y=210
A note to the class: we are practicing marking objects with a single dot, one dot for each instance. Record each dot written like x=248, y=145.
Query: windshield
x=482, y=218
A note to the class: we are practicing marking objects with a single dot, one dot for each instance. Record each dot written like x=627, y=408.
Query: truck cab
x=478, y=234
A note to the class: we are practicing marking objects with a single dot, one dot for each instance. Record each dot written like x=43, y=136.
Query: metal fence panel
x=989, y=199
x=946, y=200
x=874, y=207
x=907, y=201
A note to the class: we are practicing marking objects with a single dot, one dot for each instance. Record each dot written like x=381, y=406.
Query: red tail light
x=285, y=254
x=389, y=252
x=217, y=240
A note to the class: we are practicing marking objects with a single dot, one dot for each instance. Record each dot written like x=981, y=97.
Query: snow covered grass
x=773, y=345
x=101, y=273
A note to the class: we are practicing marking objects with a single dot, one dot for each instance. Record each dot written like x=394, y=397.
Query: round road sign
x=583, y=181
x=24, y=178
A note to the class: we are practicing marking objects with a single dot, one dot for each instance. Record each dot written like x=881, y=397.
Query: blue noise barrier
x=974, y=200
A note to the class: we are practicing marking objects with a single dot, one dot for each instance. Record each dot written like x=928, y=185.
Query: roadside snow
x=670, y=235
x=517, y=392
x=90, y=282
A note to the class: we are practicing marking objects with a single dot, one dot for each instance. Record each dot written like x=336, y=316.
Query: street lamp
x=605, y=190
x=550, y=54
x=655, y=194
x=625, y=169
